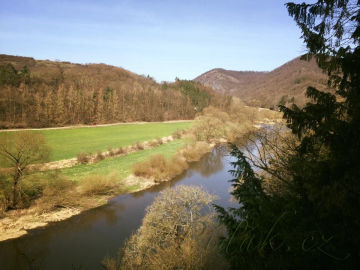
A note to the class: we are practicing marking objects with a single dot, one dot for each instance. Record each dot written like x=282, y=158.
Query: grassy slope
x=67, y=143
x=121, y=165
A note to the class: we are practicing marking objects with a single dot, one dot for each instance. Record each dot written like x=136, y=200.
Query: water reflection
x=84, y=240
x=211, y=162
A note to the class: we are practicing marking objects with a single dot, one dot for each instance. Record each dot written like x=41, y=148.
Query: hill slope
x=286, y=84
x=42, y=93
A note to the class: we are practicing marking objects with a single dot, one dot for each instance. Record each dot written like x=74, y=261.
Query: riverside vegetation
x=181, y=221
x=302, y=210
x=55, y=194
x=297, y=189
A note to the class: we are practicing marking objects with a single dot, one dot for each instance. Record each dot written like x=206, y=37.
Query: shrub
x=83, y=158
x=139, y=146
x=208, y=128
x=153, y=143
x=100, y=185
x=111, y=152
x=32, y=188
x=265, y=113
x=155, y=167
x=120, y=150
x=99, y=156
x=193, y=152
x=177, y=134
x=179, y=231
x=216, y=113
x=58, y=192
x=234, y=132
x=159, y=168
x=176, y=165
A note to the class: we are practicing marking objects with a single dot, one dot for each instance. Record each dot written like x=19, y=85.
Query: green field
x=122, y=165
x=67, y=143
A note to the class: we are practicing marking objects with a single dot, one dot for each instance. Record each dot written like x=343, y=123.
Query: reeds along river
x=83, y=241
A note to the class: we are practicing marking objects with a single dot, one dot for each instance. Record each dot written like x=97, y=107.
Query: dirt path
x=95, y=126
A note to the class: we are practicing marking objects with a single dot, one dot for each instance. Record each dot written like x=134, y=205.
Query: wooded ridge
x=43, y=93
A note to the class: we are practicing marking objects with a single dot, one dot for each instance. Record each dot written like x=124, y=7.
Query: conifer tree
x=315, y=223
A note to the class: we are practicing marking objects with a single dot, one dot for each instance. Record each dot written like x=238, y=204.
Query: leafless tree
x=18, y=150
x=179, y=231
x=268, y=152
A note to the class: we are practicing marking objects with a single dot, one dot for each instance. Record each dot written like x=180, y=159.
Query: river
x=81, y=242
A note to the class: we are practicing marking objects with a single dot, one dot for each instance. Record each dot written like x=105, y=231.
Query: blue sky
x=162, y=38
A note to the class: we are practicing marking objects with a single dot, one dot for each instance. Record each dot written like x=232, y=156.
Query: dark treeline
x=302, y=211
x=45, y=93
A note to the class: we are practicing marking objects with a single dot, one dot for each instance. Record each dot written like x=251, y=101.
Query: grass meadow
x=67, y=143
x=121, y=165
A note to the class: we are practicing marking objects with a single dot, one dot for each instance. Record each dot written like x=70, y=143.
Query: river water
x=84, y=240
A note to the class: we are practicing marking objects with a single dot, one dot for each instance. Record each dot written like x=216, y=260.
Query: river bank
x=82, y=241
x=17, y=223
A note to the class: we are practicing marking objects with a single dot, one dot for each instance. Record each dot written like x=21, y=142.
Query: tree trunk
x=17, y=176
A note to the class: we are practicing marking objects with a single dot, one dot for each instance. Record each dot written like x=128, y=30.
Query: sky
x=161, y=38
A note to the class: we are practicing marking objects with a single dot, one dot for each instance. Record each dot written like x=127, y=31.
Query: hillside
x=286, y=84
x=43, y=93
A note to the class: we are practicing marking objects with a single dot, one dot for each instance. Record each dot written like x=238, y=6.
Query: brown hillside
x=42, y=93
x=286, y=84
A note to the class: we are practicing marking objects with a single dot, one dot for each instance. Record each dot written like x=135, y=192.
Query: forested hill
x=42, y=93
x=284, y=85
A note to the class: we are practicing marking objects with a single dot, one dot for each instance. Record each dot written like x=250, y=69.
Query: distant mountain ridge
x=283, y=85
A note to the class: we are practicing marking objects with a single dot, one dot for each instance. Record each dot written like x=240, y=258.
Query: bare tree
x=179, y=231
x=19, y=150
x=268, y=152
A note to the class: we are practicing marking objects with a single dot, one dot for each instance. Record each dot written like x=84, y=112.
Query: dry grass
x=159, y=168
x=83, y=158
x=111, y=152
x=193, y=152
x=176, y=165
x=99, y=156
x=100, y=185
x=139, y=146
x=120, y=150
x=269, y=114
x=58, y=192
x=234, y=131
x=153, y=143
x=177, y=134
x=155, y=167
